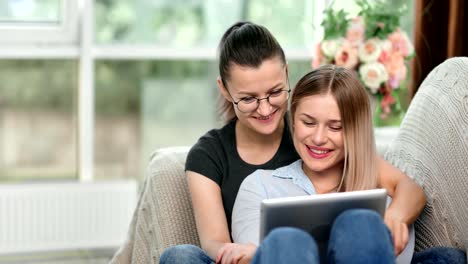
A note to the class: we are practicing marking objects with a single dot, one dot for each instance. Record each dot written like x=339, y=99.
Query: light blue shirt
x=286, y=181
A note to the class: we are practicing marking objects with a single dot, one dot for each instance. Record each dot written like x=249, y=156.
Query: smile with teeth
x=265, y=117
x=316, y=151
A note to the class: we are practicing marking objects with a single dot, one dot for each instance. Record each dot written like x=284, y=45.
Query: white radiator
x=64, y=216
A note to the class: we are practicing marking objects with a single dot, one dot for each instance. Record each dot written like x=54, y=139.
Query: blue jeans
x=439, y=255
x=357, y=236
x=185, y=254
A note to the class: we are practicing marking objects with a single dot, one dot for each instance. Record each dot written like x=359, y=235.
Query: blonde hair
x=360, y=171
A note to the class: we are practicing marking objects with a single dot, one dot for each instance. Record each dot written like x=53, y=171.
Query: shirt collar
x=295, y=172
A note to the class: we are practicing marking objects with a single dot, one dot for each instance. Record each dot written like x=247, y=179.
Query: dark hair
x=245, y=44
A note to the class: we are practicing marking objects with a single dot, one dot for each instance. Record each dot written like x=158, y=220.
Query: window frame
x=40, y=34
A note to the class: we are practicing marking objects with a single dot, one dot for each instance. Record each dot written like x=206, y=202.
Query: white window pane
x=34, y=11
x=37, y=120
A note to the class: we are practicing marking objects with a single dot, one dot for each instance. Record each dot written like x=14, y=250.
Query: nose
x=264, y=107
x=320, y=136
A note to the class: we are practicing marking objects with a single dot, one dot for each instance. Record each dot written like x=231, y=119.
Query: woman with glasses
x=254, y=89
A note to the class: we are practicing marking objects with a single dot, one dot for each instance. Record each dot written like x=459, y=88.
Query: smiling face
x=318, y=135
x=247, y=83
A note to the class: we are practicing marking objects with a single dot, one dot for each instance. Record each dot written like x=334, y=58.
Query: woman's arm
x=209, y=213
x=211, y=222
x=408, y=200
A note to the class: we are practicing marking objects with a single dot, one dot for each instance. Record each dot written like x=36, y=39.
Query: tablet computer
x=316, y=213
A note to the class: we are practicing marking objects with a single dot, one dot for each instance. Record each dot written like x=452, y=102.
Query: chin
x=266, y=129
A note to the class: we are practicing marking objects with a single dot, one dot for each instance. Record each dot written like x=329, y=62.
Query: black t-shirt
x=215, y=156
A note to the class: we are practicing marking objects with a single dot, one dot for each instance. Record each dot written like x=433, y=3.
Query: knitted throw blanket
x=432, y=148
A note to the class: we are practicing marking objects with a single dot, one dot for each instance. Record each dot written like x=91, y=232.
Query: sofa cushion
x=164, y=214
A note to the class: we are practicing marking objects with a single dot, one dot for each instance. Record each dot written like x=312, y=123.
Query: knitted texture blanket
x=432, y=148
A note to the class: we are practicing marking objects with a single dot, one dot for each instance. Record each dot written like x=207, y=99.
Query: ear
x=287, y=70
x=223, y=90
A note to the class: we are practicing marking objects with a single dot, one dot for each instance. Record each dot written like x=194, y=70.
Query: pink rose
x=355, y=32
x=386, y=47
x=401, y=43
x=396, y=68
x=347, y=56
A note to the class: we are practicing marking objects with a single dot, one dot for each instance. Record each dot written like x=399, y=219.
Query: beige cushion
x=164, y=215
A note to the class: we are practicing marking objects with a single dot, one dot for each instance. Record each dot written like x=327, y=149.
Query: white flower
x=370, y=50
x=330, y=47
x=373, y=74
x=386, y=45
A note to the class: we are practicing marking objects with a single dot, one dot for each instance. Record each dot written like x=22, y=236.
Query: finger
x=220, y=254
x=242, y=260
x=399, y=239
x=403, y=237
x=393, y=231
x=405, y=234
x=236, y=258
x=227, y=257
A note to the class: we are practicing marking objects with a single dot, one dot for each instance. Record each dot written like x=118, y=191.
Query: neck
x=324, y=181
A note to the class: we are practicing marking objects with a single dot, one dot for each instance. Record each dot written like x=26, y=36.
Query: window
x=38, y=22
x=38, y=120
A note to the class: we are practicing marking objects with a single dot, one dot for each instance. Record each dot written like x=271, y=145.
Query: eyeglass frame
x=258, y=99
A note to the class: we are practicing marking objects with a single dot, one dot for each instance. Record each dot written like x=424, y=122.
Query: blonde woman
x=333, y=135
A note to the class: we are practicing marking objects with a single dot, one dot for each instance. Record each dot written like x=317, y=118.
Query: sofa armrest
x=164, y=215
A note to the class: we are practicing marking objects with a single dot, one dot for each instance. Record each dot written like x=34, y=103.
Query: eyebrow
x=269, y=90
x=329, y=121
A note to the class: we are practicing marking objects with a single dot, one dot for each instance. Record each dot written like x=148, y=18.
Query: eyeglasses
x=275, y=98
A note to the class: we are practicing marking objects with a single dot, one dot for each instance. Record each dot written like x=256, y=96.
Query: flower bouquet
x=374, y=46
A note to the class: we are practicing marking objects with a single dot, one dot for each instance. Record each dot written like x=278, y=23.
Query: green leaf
x=381, y=17
x=335, y=23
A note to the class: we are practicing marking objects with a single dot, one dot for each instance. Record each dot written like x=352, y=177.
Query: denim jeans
x=185, y=254
x=357, y=236
x=439, y=255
